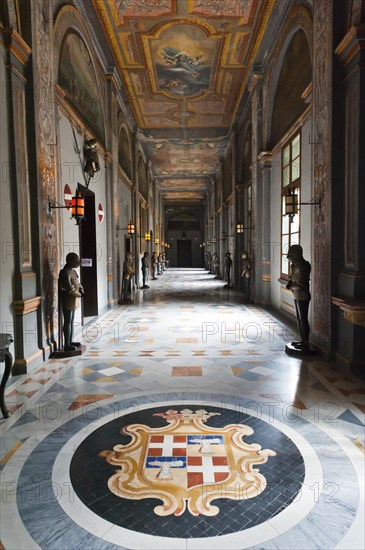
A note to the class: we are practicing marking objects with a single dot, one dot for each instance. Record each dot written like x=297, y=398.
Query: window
x=249, y=219
x=290, y=182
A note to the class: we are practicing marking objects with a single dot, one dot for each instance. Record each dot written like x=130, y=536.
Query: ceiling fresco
x=184, y=64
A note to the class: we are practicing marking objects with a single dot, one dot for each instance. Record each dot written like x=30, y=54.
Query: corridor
x=184, y=425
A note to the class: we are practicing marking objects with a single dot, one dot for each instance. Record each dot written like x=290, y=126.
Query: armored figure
x=217, y=265
x=228, y=265
x=145, y=267
x=209, y=262
x=153, y=266
x=128, y=273
x=70, y=292
x=299, y=285
x=246, y=274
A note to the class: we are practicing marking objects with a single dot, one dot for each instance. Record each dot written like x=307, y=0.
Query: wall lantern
x=240, y=228
x=291, y=204
x=77, y=207
x=129, y=228
x=147, y=236
x=157, y=241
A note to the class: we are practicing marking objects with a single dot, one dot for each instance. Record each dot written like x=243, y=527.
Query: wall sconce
x=291, y=204
x=240, y=228
x=129, y=228
x=77, y=207
x=147, y=236
x=157, y=241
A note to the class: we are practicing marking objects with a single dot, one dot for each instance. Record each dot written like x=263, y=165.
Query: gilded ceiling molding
x=353, y=311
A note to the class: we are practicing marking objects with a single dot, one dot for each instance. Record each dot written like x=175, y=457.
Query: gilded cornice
x=23, y=307
x=353, y=310
x=352, y=43
x=265, y=158
x=16, y=45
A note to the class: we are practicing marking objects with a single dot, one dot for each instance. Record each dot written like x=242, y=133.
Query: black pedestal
x=61, y=353
x=290, y=349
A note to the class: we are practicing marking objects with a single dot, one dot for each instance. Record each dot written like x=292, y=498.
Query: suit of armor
x=70, y=292
x=145, y=267
x=299, y=285
x=128, y=272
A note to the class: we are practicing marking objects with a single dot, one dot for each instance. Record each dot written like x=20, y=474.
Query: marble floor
x=184, y=425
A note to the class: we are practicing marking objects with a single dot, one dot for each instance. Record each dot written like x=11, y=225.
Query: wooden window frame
x=294, y=185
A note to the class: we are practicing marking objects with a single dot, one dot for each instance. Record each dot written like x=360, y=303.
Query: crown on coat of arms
x=186, y=414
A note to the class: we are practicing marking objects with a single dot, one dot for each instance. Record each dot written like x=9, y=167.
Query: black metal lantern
x=78, y=207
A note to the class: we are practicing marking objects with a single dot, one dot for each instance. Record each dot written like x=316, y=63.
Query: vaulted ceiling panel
x=184, y=64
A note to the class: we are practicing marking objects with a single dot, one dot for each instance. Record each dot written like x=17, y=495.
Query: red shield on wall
x=100, y=212
x=67, y=194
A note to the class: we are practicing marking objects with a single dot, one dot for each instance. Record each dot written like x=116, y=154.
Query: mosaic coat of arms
x=187, y=464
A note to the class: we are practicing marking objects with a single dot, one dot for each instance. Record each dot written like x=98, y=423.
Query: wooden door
x=88, y=268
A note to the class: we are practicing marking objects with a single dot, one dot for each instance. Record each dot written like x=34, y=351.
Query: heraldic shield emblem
x=187, y=464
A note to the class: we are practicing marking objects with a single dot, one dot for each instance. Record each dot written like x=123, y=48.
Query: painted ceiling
x=184, y=65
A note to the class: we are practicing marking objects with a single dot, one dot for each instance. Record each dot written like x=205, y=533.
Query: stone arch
x=298, y=19
x=83, y=88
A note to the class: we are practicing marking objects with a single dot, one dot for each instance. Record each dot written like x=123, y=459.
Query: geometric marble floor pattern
x=184, y=425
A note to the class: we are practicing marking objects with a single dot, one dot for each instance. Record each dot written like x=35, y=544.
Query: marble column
x=265, y=158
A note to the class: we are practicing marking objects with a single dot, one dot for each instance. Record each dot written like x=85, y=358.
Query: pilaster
x=322, y=172
x=349, y=293
x=25, y=300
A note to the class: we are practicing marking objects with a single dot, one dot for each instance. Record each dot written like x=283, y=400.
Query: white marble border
x=259, y=534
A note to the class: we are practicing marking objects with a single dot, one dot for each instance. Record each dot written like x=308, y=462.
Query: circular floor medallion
x=185, y=472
